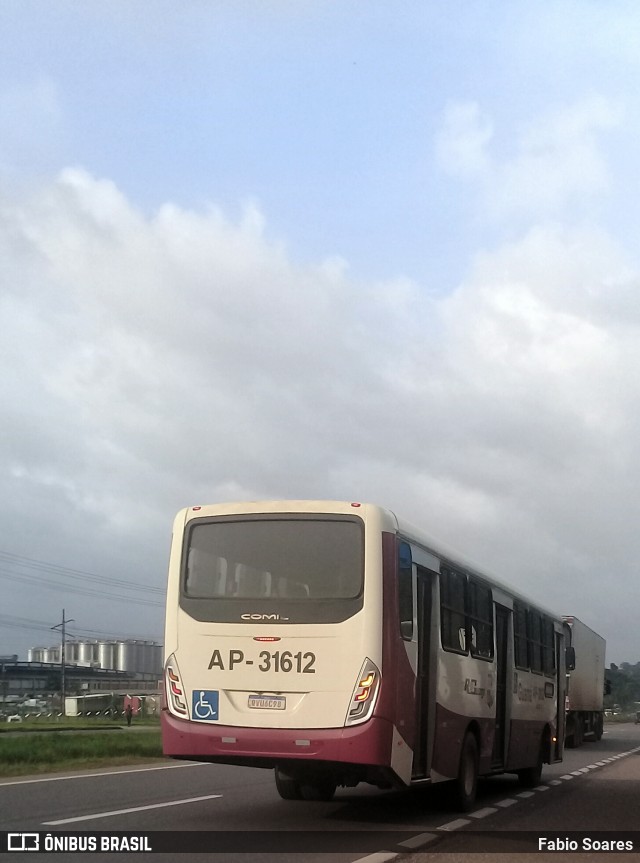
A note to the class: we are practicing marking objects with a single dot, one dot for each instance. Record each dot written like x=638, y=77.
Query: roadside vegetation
x=624, y=680
x=51, y=751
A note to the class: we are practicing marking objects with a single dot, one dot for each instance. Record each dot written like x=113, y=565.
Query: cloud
x=555, y=163
x=155, y=360
x=189, y=346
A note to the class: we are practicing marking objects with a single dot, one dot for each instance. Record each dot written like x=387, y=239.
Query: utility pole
x=63, y=631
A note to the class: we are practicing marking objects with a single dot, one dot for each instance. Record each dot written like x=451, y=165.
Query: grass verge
x=49, y=752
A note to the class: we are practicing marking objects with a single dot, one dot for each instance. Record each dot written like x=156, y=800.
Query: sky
x=339, y=250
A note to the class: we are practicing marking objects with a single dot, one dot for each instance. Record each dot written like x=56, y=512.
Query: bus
x=335, y=644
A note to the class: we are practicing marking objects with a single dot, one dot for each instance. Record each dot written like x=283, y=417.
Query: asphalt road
x=596, y=788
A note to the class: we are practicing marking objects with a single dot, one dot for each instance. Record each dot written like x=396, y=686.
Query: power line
x=84, y=591
x=30, y=625
x=24, y=623
x=23, y=570
x=78, y=574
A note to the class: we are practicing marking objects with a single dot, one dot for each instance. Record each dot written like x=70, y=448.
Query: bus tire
x=288, y=788
x=465, y=784
x=322, y=789
x=529, y=777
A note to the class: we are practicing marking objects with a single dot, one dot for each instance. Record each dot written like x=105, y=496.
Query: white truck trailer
x=585, y=682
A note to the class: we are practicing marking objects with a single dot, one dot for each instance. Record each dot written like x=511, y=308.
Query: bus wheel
x=529, y=777
x=322, y=789
x=466, y=783
x=286, y=786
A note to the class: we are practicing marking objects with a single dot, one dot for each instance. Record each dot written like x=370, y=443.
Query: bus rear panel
x=274, y=640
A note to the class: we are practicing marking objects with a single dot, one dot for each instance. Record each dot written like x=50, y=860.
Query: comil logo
x=23, y=842
x=262, y=617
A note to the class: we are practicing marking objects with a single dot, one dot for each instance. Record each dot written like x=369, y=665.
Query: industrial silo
x=51, y=654
x=84, y=652
x=124, y=654
x=106, y=654
x=158, y=657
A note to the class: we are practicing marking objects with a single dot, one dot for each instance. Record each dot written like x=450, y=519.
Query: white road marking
x=106, y=773
x=378, y=857
x=482, y=813
x=455, y=825
x=419, y=840
x=97, y=815
x=427, y=838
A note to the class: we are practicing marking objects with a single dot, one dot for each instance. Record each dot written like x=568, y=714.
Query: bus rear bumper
x=367, y=744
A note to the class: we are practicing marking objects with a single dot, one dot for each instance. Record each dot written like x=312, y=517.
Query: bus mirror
x=607, y=687
x=570, y=658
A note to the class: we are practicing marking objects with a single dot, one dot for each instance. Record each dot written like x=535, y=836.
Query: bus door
x=425, y=678
x=502, y=640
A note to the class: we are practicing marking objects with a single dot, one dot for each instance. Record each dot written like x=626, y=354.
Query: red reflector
x=196, y=508
x=266, y=638
x=356, y=504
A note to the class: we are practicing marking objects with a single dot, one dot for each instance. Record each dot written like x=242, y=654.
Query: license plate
x=268, y=702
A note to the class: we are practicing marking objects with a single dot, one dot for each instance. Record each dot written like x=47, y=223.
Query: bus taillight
x=364, y=694
x=174, y=689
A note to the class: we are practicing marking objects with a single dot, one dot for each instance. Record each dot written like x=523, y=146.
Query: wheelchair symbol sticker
x=204, y=704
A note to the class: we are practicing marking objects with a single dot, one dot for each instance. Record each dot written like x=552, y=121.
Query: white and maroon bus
x=335, y=644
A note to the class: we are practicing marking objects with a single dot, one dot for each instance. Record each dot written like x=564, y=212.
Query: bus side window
x=405, y=590
x=548, y=647
x=520, y=636
x=481, y=618
x=534, y=637
x=453, y=607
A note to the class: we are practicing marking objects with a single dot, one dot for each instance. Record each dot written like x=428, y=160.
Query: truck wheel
x=598, y=728
x=288, y=788
x=465, y=784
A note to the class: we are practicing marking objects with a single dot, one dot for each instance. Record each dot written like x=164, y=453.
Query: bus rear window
x=274, y=558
